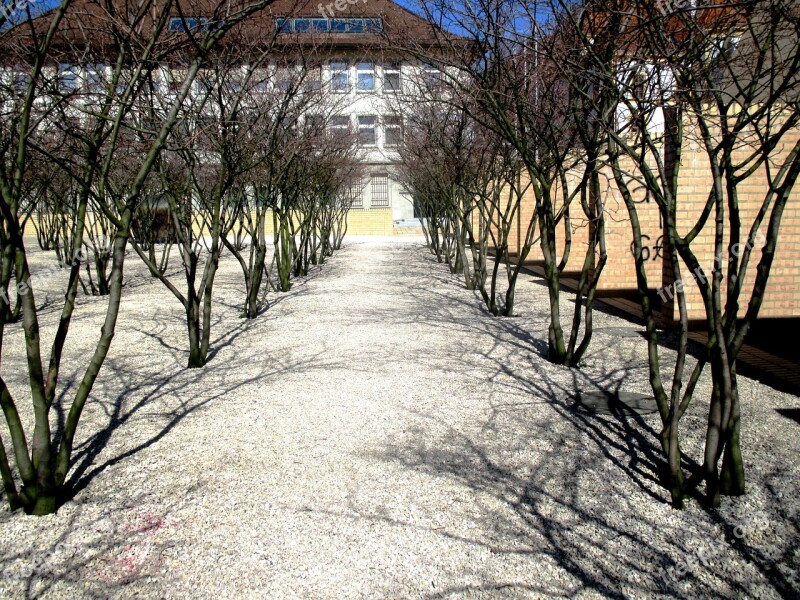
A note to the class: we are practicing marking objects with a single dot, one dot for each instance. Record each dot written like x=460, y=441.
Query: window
x=96, y=78
x=21, y=81
x=176, y=79
x=179, y=24
x=313, y=79
x=340, y=125
x=204, y=83
x=373, y=25
x=190, y=24
x=284, y=77
x=67, y=77
x=391, y=77
x=155, y=84
x=365, y=77
x=314, y=124
x=355, y=193
x=366, y=130
x=392, y=130
x=317, y=25
x=233, y=85
x=355, y=25
x=259, y=81
x=340, y=77
x=431, y=76
x=380, y=191
x=301, y=25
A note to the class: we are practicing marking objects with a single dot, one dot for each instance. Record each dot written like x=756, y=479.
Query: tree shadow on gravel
x=97, y=552
x=567, y=510
x=570, y=501
x=163, y=398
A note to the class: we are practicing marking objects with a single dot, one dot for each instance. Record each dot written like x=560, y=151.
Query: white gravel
x=376, y=434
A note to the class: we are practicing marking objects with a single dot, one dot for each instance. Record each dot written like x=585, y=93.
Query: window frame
x=73, y=73
x=343, y=126
x=379, y=196
x=396, y=125
x=368, y=73
x=344, y=72
x=313, y=78
x=285, y=76
x=431, y=76
x=391, y=69
x=342, y=25
x=355, y=192
x=96, y=77
x=362, y=127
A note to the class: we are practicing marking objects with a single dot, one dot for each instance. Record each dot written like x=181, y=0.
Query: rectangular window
x=284, y=77
x=259, y=81
x=391, y=77
x=315, y=124
x=338, y=26
x=355, y=25
x=309, y=25
x=379, y=197
x=190, y=24
x=355, y=193
x=340, y=125
x=176, y=79
x=96, y=78
x=67, y=77
x=203, y=83
x=366, y=130
x=365, y=77
x=301, y=25
x=373, y=25
x=234, y=84
x=179, y=24
x=340, y=77
x=21, y=81
x=313, y=79
x=431, y=76
x=392, y=130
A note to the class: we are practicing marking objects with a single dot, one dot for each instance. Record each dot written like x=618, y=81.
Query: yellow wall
x=373, y=221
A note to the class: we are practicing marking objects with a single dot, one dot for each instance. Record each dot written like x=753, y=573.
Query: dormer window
x=189, y=24
x=334, y=25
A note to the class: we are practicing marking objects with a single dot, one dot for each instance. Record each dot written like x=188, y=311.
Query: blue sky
x=36, y=7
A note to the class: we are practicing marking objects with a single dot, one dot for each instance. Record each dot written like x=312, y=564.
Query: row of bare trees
x=170, y=141
x=560, y=102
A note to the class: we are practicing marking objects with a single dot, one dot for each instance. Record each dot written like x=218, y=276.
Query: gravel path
x=376, y=434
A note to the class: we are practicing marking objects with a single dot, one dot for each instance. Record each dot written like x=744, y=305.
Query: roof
x=88, y=25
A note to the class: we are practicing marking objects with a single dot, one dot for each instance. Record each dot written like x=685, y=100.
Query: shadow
x=790, y=413
x=161, y=397
x=576, y=492
x=117, y=548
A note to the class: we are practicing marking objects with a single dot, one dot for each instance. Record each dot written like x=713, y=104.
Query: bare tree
x=507, y=62
x=140, y=39
x=723, y=77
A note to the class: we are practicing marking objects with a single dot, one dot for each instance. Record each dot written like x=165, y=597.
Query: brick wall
x=372, y=221
x=782, y=297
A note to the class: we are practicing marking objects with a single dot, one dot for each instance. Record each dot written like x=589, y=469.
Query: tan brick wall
x=372, y=221
x=783, y=289
x=781, y=298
